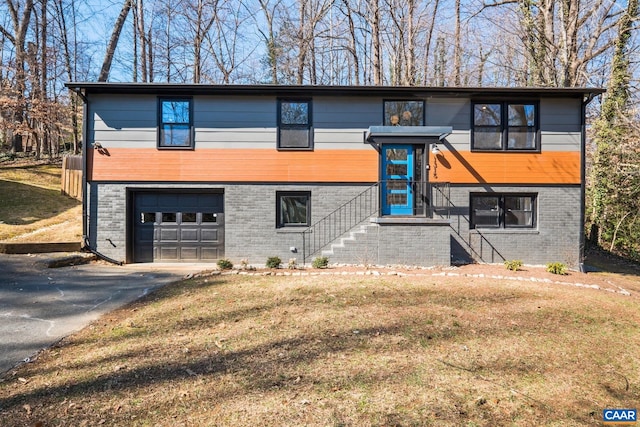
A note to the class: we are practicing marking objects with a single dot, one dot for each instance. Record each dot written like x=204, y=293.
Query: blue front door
x=397, y=179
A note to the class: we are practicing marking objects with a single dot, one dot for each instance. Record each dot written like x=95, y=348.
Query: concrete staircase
x=358, y=246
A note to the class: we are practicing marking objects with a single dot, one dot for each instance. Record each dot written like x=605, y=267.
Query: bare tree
x=20, y=20
x=352, y=44
x=224, y=38
x=273, y=49
x=69, y=61
x=561, y=40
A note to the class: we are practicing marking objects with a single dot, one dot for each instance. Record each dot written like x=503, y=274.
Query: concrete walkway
x=40, y=305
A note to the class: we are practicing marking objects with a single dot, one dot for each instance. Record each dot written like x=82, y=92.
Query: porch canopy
x=377, y=135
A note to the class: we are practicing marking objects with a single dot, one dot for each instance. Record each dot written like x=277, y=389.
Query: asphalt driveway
x=40, y=305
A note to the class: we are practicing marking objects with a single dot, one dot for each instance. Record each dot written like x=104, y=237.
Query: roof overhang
x=377, y=135
x=418, y=92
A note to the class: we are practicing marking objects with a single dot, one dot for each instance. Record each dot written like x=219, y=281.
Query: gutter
x=85, y=109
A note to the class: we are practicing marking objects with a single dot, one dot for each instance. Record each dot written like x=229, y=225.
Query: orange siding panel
x=240, y=165
x=551, y=167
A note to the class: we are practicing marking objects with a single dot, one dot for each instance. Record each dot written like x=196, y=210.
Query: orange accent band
x=550, y=167
x=229, y=165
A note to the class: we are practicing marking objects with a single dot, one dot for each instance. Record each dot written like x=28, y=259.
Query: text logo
x=620, y=416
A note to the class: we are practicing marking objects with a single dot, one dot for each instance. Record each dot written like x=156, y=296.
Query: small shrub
x=225, y=264
x=557, y=268
x=293, y=264
x=244, y=265
x=320, y=262
x=273, y=262
x=513, y=265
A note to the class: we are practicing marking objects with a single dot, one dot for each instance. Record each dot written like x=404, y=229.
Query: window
x=293, y=208
x=403, y=113
x=209, y=217
x=169, y=217
x=175, y=123
x=146, y=217
x=494, y=210
x=510, y=126
x=294, y=125
x=189, y=217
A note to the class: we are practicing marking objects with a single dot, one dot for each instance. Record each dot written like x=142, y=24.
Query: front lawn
x=341, y=350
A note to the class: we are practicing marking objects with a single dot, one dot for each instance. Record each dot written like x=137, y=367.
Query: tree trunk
x=375, y=39
x=143, y=42
x=353, y=43
x=427, y=52
x=62, y=24
x=609, y=130
x=270, y=40
x=113, y=41
x=457, y=49
x=46, y=141
x=302, y=46
x=20, y=27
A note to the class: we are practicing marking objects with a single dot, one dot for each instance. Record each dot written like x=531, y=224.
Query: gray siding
x=250, y=217
x=251, y=122
x=454, y=112
x=251, y=233
x=555, y=239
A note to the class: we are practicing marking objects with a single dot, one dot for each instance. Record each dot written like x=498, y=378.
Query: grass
x=32, y=209
x=340, y=351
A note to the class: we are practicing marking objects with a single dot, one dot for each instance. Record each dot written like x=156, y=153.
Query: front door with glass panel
x=397, y=179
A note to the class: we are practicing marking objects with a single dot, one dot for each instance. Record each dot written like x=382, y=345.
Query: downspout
x=85, y=228
x=583, y=178
x=85, y=103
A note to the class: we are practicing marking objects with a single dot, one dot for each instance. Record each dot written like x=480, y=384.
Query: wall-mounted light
x=100, y=149
x=435, y=151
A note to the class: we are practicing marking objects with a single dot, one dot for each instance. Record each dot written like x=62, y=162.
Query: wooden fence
x=72, y=176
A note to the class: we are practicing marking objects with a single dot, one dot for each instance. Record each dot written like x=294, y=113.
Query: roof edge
x=309, y=90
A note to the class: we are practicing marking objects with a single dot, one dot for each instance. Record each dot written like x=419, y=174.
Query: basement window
x=293, y=209
x=495, y=210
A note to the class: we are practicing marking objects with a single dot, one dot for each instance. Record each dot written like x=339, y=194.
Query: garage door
x=178, y=227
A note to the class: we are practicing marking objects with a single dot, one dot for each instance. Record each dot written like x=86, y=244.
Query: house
x=373, y=175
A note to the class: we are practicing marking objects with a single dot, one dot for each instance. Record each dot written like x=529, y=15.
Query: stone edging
x=377, y=273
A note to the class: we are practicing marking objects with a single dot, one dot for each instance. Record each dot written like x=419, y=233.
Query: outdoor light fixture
x=435, y=150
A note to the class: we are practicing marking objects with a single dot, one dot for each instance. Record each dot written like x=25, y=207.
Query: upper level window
x=505, y=126
x=403, y=113
x=495, y=210
x=294, y=125
x=175, y=117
